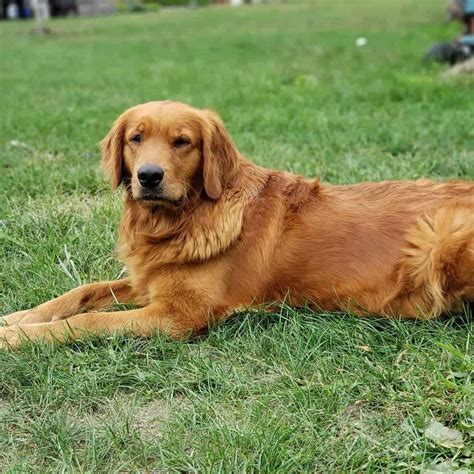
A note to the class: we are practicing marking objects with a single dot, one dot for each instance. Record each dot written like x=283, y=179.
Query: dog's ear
x=220, y=156
x=112, y=151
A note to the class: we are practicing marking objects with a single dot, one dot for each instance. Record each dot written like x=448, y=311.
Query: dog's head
x=167, y=151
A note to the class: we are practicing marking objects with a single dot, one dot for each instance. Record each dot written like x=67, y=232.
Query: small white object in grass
x=18, y=143
x=361, y=41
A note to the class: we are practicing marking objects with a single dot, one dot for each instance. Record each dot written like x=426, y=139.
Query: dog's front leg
x=143, y=322
x=84, y=298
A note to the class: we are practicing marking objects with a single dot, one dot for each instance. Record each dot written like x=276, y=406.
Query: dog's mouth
x=159, y=199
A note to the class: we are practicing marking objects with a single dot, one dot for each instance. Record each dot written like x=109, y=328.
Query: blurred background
x=323, y=67
x=13, y=9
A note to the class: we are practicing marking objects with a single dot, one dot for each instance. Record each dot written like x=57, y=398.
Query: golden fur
x=222, y=233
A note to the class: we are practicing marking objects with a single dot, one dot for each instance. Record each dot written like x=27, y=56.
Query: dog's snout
x=150, y=175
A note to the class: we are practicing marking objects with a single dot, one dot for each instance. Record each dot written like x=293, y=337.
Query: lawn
x=283, y=392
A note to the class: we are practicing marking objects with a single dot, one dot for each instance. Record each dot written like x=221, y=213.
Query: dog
x=205, y=233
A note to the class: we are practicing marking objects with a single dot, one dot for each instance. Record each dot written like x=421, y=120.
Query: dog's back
x=334, y=245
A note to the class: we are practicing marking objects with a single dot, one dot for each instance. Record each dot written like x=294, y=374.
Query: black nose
x=150, y=175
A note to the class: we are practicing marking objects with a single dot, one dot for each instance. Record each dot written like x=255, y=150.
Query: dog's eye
x=136, y=138
x=180, y=142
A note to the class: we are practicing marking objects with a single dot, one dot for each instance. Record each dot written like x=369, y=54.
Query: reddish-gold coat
x=226, y=234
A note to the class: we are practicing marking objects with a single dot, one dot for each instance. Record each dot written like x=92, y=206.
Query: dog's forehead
x=164, y=117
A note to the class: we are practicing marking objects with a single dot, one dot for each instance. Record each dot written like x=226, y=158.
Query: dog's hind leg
x=437, y=272
x=86, y=297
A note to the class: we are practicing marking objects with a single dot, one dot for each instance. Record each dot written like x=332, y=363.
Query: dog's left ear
x=112, y=151
x=220, y=155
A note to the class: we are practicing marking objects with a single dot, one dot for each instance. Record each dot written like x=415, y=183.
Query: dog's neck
x=201, y=230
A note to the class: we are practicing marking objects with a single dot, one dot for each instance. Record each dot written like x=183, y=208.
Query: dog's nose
x=150, y=175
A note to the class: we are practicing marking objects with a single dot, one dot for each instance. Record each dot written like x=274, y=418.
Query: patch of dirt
x=4, y=408
x=151, y=418
x=358, y=417
x=466, y=67
x=362, y=420
x=148, y=419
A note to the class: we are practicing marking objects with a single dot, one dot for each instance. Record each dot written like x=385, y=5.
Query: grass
x=283, y=392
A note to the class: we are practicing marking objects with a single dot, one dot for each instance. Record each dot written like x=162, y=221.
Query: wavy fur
x=239, y=236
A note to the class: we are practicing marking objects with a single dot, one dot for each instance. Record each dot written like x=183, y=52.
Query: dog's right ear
x=112, y=151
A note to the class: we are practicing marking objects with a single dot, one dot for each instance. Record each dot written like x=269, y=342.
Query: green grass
x=284, y=392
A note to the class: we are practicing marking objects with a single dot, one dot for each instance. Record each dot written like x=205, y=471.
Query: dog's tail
x=438, y=268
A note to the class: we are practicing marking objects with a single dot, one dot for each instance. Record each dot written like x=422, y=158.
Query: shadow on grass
x=244, y=321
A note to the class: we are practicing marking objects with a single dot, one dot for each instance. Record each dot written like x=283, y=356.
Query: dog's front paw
x=14, y=318
x=10, y=337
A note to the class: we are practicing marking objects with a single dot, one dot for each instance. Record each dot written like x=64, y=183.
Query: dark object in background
x=18, y=5
x=63, y=7
x=449, y=53
x=462, y=48
x=56, y=8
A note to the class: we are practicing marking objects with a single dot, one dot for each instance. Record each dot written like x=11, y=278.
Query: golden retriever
x=205, y=232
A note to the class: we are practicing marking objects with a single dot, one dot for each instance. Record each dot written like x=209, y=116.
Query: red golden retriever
x=205, y=232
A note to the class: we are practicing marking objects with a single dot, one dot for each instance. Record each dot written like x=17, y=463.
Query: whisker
x=188, y=187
